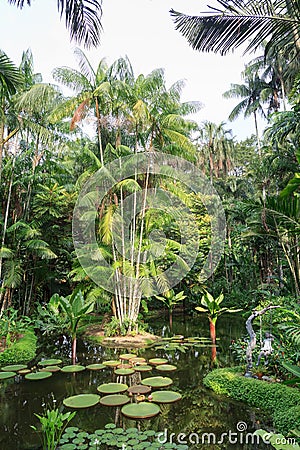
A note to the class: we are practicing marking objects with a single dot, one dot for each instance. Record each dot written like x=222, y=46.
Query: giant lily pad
x=142, y=410
x=14, y=367
x=124, y=371
x=50, y=362
x=73, y=368
x=95, y=366
x=50, y=369
x=81, y=401
x=157, y=382
x=127, y=356
x=112, y=388
x=114, y=400
x=166, y=367
x=112, y=363
x=124, y=366
x=5, y=375
x=165, y=396
x=142, y=368
x=139, y=389
x=157, y=361
x=137, y=360
x=38, y=375
x=24, y=371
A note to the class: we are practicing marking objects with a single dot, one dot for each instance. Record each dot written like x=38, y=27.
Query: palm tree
x=91, y=91
x=82, y=17
x=250, y=92
x=236, y=23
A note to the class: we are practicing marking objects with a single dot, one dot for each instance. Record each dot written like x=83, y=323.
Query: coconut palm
x=82, y=18
x=251, y=94
x=235, y=23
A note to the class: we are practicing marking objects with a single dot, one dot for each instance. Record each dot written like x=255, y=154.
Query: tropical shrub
x=274, y=398
x=20, y=351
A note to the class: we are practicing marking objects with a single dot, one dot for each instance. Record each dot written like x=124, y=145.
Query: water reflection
x=200, y=410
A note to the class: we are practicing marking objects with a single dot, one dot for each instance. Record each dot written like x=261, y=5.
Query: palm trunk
x=257, y=133
x=212, y=330
x=99, y=132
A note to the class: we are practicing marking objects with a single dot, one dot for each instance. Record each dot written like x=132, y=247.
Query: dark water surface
x=200, y=410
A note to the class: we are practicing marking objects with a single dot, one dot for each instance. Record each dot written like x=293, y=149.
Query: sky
x=144, y=31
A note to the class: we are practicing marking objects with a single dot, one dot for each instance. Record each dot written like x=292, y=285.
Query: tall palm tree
x=82, y=17
x=236, y=23
x=251, y=94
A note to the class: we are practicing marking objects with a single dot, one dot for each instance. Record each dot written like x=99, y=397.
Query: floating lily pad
x=73, y=368
x=142, y=368
x=139, y=389
x=24, y=371
x=81, y=401
x=114, y=400
x=38, y=375
x=5, y=375
x=124, y=371
x=124, y=366
x=112, y=363
x=95, y=366
x=157, y=361
x=50, y=362
x=14, y=367
x=157, y=381
x=50, y=369
x=127, y=356
x=166, y=396
x=137, y=360
x=112, y=388
x=143, y=410
x=166, y=367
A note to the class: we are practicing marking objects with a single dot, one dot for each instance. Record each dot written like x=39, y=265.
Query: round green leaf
x=114, y=400
x=112, y=388
x=139, y=389
x=166, y=367
x=112, y=363
x=5, y=375
x=165, y=396
x=73, y=368
x=24, y=371
x=50, y=362
x=143, y=410
x=50, y=369
x=143, y=368
x=14, y=367
x=157, y=381
x=157, y=361
x=38, y=375
x=95, y=366
x=81, y=401
x=136, y=360
x=124, y=371
x=127, y=356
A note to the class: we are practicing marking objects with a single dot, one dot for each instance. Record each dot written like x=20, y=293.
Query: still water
x=199, y=411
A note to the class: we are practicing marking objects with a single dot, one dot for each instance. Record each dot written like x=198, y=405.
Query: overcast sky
x=142, y=30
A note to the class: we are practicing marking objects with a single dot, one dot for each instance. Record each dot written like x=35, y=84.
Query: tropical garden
x=109, y=290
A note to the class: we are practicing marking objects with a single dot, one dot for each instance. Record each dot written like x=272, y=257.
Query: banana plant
x=75, y=309
x=170, y=299
x=212, y=307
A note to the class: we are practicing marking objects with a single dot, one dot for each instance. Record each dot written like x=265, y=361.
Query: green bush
x=21, y=351
x=279, y=400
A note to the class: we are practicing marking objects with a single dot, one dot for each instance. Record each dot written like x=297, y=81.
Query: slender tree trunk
x=257, y=133
x=212, y=330
x=99, y=132
x=74, y=345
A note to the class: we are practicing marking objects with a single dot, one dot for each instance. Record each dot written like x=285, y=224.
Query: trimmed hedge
x=282, y=402
x=21, y=351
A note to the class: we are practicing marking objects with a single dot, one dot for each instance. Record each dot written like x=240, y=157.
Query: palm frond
x=83, y=20
x=238, y=22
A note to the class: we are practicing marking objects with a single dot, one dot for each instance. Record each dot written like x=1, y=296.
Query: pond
x=199, y=411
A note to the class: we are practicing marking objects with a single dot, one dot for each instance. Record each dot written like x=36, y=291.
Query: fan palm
x=82, y=17
x=238, y=22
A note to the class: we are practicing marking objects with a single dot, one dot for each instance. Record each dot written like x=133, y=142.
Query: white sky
x=142, y=30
